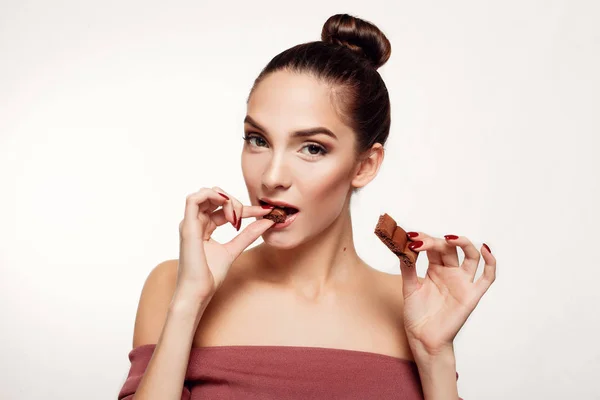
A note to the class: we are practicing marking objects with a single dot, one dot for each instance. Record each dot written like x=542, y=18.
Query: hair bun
x=358, y=35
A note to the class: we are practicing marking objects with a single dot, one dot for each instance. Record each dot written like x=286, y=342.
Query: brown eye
x=248, y=138
x=315, y=150
x=259, y=140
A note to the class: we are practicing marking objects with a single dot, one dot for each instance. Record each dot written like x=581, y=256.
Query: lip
x=285, y=223
x=278, y=203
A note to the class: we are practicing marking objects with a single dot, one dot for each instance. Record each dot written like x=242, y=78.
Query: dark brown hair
x=347, y=57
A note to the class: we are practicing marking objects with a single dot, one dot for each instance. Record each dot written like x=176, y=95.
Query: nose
x=276, y=175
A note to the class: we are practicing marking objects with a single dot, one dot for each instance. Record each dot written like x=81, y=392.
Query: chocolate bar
x=396, y=239
x=277, y=214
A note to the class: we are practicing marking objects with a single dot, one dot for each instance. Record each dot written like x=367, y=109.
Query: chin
x=278, y=241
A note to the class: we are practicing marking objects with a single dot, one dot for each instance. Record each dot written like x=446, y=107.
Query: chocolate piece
x=277, y=214
x=396, y=239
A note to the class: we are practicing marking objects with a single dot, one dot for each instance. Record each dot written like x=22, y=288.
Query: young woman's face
x=311, y=172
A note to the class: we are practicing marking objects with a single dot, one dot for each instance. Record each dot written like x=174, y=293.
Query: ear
x=368, y=167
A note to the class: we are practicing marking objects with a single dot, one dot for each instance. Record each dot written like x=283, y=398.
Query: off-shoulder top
x=249, y=372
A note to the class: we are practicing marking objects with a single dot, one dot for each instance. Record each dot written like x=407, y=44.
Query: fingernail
x=486, y=246
x=415, y=245
x=412, y=234
x=266, y=206
x=451, y=237
x=224, y=195
x=239, y=224
x=234, y=219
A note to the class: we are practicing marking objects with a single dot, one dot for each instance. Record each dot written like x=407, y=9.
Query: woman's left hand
x=437, y=306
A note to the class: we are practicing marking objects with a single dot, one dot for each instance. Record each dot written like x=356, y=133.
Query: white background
x=112, y=112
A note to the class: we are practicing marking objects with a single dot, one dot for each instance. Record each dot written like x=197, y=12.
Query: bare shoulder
x=154, y=302
x=385, y=302
x=391, y=283
x=157, y=295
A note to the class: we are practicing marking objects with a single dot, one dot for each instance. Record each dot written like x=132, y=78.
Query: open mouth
x=288, y=210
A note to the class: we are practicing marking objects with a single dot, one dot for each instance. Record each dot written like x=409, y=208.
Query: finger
x=245, y=238
x=427, y=244
x=203, y=200
x=472, y=256
x=448, y=252
x=489, y=271
x=228, y=206
x=209, y=230
x=218, y=217
x=256, y=211
x=236, y=207
x=410, y=280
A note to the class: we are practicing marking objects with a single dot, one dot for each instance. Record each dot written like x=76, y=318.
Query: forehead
x=284, y=100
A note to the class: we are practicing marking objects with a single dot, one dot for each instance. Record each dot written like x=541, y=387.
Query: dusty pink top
x=286, y=373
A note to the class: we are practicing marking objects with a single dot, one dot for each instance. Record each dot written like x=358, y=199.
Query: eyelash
x=322, y=150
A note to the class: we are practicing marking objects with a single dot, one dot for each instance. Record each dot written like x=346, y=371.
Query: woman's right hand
x=204, y=262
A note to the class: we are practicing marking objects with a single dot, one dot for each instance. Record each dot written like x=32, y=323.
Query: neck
x=317, y=265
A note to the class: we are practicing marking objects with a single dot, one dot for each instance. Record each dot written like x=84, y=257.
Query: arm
x=438, y=374
x=168, y=317
x=437, y=306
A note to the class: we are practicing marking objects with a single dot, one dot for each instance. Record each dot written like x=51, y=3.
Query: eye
x=249, y=137
x=315, y=150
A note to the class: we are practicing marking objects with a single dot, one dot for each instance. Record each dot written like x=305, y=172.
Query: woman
x=301, y=315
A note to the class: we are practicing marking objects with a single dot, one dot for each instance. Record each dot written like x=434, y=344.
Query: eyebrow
x=301, y=133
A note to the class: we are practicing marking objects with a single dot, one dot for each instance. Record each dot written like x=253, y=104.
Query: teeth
x=288, y=210
x=277, y=206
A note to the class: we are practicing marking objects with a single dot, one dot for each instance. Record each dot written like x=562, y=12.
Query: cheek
x=247, y=170
x=328, y=189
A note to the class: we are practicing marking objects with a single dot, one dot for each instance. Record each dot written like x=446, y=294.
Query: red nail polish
x=234, y=219
x=224, y=195
x=412, y=234
x=486, y=246
x=265, y=206
x=451, y=237
x=239, y=225
x=415, y=245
